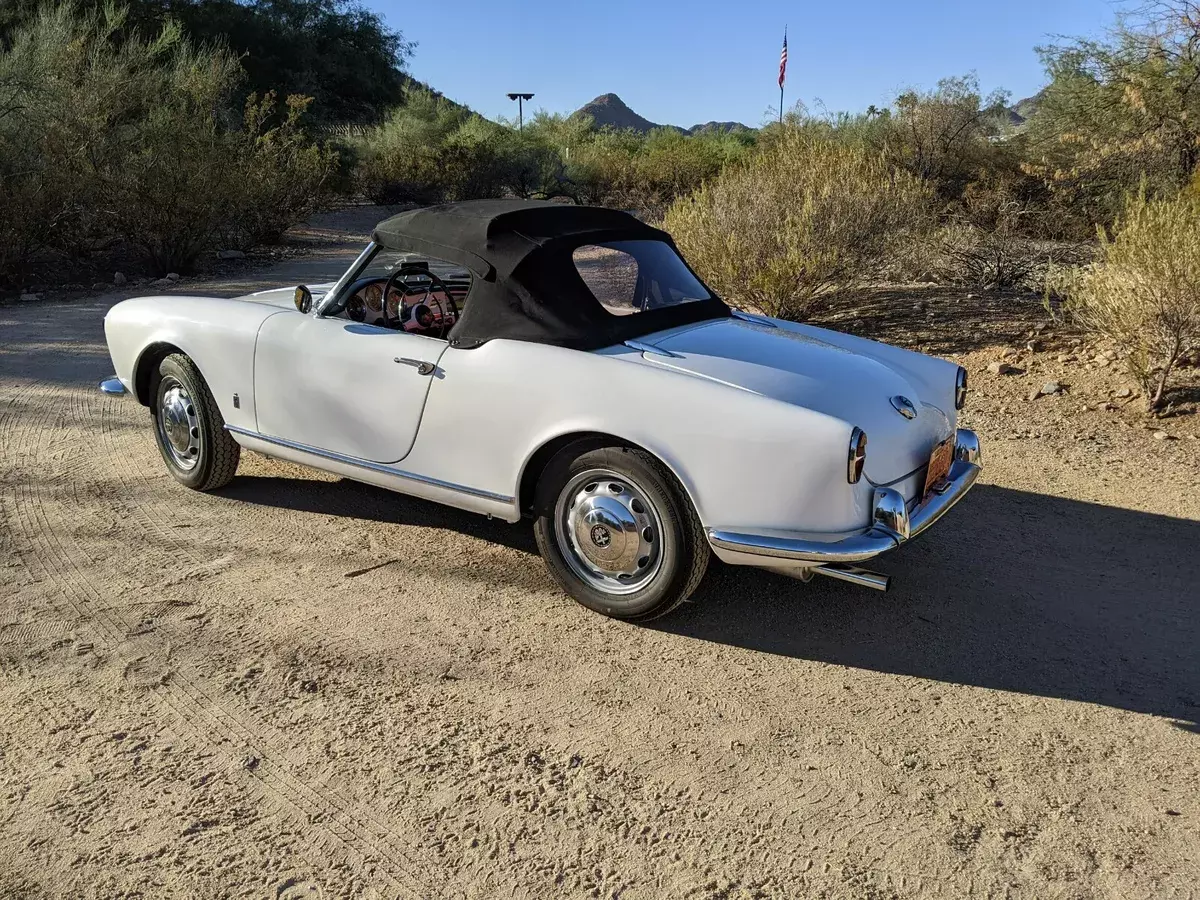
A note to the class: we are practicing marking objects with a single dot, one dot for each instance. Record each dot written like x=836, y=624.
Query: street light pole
x=520, y=98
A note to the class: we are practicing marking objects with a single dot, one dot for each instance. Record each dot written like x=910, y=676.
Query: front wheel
x=189, y=428
x=618, y=532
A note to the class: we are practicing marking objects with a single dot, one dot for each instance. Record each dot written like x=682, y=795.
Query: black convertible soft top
x=525, y=285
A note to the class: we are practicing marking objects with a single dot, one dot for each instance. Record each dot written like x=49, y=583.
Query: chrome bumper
x=892, y=524
x=112, y=386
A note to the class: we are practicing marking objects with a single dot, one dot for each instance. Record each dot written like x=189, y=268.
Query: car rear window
x=629, y=277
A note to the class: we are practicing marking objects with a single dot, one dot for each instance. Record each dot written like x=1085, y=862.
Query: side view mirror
x=303, y=299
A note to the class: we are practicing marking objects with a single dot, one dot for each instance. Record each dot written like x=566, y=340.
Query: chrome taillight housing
x=960, y=388
x=858, y=455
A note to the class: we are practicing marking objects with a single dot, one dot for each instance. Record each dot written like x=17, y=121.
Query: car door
x=344, y=387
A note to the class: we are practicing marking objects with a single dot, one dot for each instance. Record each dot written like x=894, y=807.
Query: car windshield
x=387, y=261
x=630, y=277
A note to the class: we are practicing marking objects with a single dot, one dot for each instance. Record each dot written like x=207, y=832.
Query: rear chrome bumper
x=112, y=386
x=892, y=523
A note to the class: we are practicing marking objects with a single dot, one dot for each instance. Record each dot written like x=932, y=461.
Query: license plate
x=939, y=465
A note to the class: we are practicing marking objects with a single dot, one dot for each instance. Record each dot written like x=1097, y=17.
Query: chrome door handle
x=422, y=367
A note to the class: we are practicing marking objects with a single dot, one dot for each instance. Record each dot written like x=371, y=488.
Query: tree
x=1121, y=111
x=336, y=51
x=945, y=136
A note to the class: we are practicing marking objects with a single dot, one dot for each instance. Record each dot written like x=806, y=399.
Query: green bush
x=284, y=175
x=1143, y=292
x=110, y=138
x=797, y=221
x=428, y=151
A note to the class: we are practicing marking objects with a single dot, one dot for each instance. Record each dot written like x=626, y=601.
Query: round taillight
x=858, y=455
x=960, y=388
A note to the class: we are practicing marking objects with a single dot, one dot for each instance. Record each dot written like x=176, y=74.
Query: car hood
x=285, y=297
x=805, y=371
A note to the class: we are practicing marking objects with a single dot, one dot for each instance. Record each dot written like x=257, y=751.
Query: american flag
x=783, y=60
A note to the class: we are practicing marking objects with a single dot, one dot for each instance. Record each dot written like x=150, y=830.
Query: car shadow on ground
x=355, y=500
x=1015, y=591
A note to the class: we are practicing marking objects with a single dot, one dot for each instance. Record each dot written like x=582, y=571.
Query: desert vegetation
x=802, y=218
x=165, y=129
x=1143, y=292
x=142, y=143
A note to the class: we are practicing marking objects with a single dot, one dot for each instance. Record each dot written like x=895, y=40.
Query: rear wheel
x=189, y=428
x=618, y=532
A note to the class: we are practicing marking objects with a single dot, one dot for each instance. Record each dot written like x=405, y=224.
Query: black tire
x=211, y=458
x=680, y=548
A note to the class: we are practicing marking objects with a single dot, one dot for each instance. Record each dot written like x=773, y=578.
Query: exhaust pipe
x=852, y=574
x=855, y=576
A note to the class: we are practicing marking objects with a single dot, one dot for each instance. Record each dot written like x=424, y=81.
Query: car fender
x=217, y=334
x=744, y=459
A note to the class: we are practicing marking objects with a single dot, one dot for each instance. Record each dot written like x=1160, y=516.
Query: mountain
x=719, y=127
x=1020, y=112
x=609, y=110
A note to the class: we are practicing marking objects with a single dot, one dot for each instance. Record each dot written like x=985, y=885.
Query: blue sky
x=682, y=62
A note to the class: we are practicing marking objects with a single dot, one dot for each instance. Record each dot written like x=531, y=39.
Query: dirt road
x=302, y=687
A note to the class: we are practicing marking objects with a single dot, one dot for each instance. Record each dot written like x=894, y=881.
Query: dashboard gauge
x=373, y=296
x=354, y=308
x=395, y=305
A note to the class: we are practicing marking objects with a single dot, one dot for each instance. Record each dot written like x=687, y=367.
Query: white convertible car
x=563, y=363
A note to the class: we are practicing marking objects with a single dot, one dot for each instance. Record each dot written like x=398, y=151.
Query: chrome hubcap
x=609, y=532
x=178, y=424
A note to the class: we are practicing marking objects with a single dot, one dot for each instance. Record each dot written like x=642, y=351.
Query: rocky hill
x=609, y=110
x=1021, y=111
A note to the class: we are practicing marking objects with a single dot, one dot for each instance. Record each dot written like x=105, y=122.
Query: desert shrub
x=338, y=51
x=428, y=151
x=796, y=221
x=1120, y=114
x=33, y=199
x=1143, y=292
x=985, y=240
x=112, y=138
x=283, y=174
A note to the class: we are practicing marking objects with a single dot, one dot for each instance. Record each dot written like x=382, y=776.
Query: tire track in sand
x=66, y=565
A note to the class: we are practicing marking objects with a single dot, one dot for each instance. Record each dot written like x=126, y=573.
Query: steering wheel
x=419, y=311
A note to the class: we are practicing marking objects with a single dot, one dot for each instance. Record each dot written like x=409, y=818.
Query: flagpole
x=782, y=73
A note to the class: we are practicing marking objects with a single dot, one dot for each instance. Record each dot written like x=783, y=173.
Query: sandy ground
x=302, y=687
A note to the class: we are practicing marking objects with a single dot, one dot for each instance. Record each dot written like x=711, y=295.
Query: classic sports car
x=563, y=363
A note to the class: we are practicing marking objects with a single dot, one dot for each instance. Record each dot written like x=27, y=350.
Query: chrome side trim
x=649, y=348
x=112, y=386
x=372, y=466
x=751, y=317
x=347, y=278
x=879, y=538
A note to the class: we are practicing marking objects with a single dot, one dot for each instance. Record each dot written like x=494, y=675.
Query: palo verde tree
x=1121, y=111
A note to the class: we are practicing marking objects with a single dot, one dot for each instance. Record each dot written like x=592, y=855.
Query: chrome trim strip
x=751, y=317
x=372, y=466
x=649, y=348
x=112, y=386
x=347, y=278
x=856, y=548
x=873, y=541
